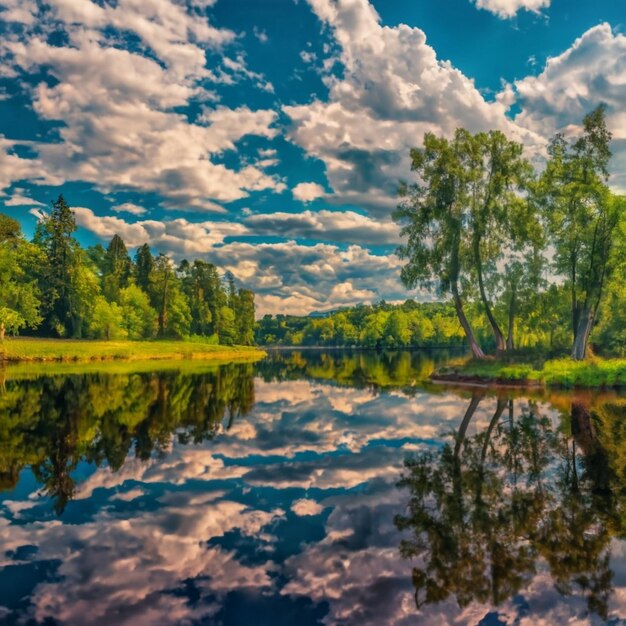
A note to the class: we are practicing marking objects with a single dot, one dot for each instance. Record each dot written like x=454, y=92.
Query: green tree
x=497, y=185
x=434, y=214
x=19, y=292
x=245, y=316
x=55, y=235
x=107, y=320
x=228, y=328
x=144, y=264
x=582, y=216
x=138, y=317
x=117, y=269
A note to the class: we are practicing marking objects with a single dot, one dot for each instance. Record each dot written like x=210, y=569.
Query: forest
x=53, y=287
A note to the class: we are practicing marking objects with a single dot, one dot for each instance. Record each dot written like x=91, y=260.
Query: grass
x=77, y=350
x=594, y=372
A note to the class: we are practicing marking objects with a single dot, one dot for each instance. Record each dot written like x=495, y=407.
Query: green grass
x=554, y=373
x=70, y=350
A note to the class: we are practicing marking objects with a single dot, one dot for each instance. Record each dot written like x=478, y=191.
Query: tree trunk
x=3, y=330
x=467, y=418
x=510, y=339
x=477, y=352
x=581, y=334
x=163, y=311
x=497, y=333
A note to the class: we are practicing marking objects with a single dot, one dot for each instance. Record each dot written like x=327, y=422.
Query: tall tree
x=245, y=315
x=19, y=293
x=582, y=216
x=55, y=235
x=173, y=315
x=199, y=280
x=497, y=179
x=144, y=264
x=117, y=269
x=434, y=215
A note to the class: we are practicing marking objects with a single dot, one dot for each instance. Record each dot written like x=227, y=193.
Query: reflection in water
x=51, y=423
x=394, y=369
x=267, y=495
x=487, y=512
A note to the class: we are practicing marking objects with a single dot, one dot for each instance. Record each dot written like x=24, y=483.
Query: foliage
x=53, y=287
x=483, y=228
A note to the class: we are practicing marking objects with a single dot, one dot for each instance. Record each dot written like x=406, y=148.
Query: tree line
x=53, y=287
x=511, y=244
x=383, y=325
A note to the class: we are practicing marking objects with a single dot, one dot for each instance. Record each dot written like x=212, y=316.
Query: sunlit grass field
x=68, y=350
x=594, y=372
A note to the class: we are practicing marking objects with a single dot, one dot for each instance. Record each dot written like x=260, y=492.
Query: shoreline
x=34, y=350
x=552, y=374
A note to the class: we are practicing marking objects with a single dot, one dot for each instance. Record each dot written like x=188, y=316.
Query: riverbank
x=15, y=350
x=594, y=373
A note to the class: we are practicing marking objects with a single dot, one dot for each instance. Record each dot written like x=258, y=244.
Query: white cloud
x=119, y=127
x=288, y=277
x=19, y=199
x=260, y=34
x=129, y=207
x=306, y=507
x=392, y=89
x=14, y=168
x=307, y=192
x=344, y=226
x=592, y=71
x=509, y=8
x=179, y=236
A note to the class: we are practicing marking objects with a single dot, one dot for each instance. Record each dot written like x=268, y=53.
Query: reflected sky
x=270, y=495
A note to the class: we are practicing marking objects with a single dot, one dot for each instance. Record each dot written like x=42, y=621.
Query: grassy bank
x=68, y=350
x=553, y=373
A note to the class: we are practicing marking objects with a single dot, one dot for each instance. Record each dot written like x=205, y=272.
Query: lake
x=311, y=488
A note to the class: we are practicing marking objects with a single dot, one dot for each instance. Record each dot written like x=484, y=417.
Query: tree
x=199, y=281
x=582, y=217
x=85, y=289
x=106, y=320
x=19, y=292
x=138, y=317
x=117, y=269
x=55, y=235
x=173, y=314
x=497, y=181
x=434, y=215
x=144, y=264
x=397, y=332
x=228, y=329
x=245, y=315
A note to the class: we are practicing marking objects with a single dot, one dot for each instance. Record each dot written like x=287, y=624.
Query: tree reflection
x=488, y=512
x=394, y=369
x=51, y=423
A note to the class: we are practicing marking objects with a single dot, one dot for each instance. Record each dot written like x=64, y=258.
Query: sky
x=270, y=136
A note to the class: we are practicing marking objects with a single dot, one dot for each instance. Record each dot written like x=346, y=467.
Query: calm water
x=311, y=488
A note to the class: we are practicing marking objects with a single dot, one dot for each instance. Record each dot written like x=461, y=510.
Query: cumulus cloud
x=509, y=8
x=345, y=226
x=117, y=104
x=287, y=276
x=391, y=90
x=129, y=207
x=307, y=192
x=592, y=71
x=178, y=236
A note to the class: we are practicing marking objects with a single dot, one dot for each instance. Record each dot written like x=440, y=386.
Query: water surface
x=312, y=488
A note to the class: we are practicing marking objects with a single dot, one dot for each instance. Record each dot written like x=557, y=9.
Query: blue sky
x=269, y=136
